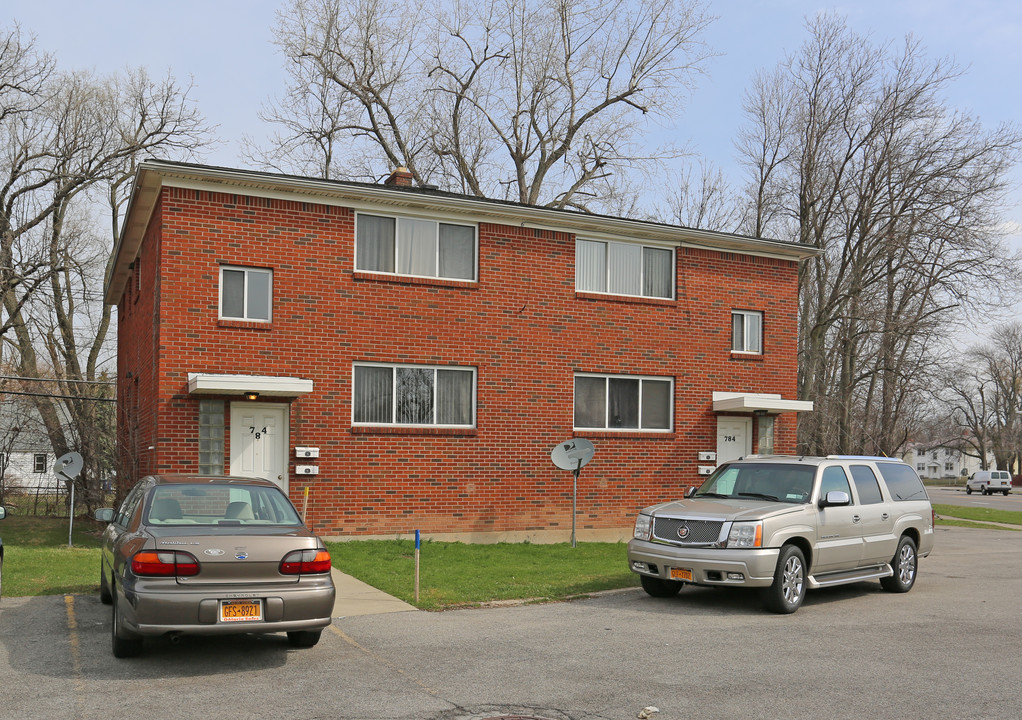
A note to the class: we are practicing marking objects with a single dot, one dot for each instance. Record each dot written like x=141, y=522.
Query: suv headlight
x=745, y=535
x=643, y=526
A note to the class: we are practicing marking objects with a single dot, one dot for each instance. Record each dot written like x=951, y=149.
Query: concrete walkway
x=355, y=597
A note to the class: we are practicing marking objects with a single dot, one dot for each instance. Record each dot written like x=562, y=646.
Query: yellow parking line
x=76, y=659
x=351, y=641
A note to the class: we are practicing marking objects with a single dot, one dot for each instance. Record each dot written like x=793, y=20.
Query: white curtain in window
x=373, y=396
x=754, y=336
x=375, y=243
x=656, y=272
x=454, y=397
x=625, y=263
x=738, y=332
x=416, y=247
x=590, y=267
x=457, y=251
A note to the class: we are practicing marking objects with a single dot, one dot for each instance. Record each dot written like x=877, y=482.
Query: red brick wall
x=522, y=326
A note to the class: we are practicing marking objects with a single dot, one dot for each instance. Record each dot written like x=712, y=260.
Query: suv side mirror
x=690, y=491
x=3, y=512
x=105, y=515
x=835, y=498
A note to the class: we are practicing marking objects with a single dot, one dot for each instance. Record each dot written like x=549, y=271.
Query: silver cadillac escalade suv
x=785, y=524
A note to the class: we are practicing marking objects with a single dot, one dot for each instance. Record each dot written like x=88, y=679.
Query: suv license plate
x=241, y=610
x=681, y=574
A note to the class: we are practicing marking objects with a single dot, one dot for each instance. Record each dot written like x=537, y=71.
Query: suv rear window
x=902, y=482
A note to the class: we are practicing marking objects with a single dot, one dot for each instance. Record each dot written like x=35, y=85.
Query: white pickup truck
x=989, y=481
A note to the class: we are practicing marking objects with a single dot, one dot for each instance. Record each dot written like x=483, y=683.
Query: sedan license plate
x=681, y=574
x=241, y=610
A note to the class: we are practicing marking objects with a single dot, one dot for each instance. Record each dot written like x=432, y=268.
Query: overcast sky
x=225, y=47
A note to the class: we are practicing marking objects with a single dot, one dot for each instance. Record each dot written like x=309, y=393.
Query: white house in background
x=26, y=458
x=934, y=461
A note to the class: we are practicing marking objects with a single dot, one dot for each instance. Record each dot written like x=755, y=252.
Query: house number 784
x=258, y=434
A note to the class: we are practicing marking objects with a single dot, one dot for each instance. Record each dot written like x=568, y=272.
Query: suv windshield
x=220, y=505
x=761, y=481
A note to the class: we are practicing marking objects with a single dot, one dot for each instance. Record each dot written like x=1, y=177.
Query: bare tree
x=851, y=149
x=707, y=202
x=69, y=150
x=539, y=101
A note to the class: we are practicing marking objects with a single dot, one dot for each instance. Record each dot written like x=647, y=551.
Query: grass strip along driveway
x=39, y=562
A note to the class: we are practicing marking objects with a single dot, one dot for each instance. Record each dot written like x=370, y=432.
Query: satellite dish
x=572, y=454
x=69, y=465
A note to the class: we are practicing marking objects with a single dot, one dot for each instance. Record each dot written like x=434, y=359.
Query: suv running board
x=844, y=577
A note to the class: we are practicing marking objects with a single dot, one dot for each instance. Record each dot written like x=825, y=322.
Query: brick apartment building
x=400, y=358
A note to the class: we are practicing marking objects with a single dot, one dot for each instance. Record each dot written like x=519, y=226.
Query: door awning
x=758, y=403
x=264, y=385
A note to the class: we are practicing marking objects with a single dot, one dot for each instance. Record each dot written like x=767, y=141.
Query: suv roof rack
x=888, y=458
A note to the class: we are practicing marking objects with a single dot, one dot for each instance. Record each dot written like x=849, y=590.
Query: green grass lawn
x=976, y=514
x=38, y=561
x=457, y=574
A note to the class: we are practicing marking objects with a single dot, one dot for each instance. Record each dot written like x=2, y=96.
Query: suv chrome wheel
x=788, y=590
x=904, y=566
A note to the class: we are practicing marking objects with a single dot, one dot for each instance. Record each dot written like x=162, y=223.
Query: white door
x=259, y=441
x=734, y=438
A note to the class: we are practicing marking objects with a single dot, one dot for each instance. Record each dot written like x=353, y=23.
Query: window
x=413, y=395
x=866, y=485
x=620, y=268
x=746, y=331
x=902, y=483
x=622, y=402
x=211, y=437
x=245, y=293
x=834, y=478
x=949, y=467
x=411, y=246
x=39, y=463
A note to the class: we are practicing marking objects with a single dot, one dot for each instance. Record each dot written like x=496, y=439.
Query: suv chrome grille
x=700, y=532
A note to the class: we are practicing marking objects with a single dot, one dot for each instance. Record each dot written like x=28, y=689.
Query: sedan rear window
x=220, y=505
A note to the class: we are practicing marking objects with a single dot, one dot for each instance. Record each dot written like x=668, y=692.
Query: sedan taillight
x=167, y=563
x=305, y=562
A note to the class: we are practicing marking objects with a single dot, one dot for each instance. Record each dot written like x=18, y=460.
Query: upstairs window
x=411, y=246
x=245, y=293
x=618, y=268
x=746, y=331
x=414, y=395
x=622, y=402
x=39, y=463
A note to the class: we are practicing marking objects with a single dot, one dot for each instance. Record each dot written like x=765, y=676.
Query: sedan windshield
x=761, y=481
x=220, y=505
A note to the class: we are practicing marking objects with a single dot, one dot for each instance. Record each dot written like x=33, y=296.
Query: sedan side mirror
x=835, y=498
x=105, y=515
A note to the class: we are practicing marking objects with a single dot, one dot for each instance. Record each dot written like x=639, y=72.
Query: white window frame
x=607, y=268
x=38, y=467
x=393, y=407
x=248, y=272
x=398, y=219
x=747, y=317
x=606, y=410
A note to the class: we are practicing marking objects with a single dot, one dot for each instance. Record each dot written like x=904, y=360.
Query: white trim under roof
x=751, y=402
x=265, y=385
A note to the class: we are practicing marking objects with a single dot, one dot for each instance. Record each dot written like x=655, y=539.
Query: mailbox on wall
x=307, y=452
x=307, y=469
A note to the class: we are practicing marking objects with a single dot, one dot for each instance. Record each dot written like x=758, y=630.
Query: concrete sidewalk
x=355, y=597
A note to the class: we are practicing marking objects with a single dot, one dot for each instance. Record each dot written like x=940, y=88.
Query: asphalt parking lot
x=949, y=648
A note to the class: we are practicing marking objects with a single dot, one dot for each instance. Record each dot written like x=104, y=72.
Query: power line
x=58, y=380
x=61, y=397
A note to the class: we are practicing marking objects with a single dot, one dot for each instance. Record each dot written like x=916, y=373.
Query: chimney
x=402, y=177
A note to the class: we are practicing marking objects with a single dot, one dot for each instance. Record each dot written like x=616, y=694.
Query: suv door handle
x=884, y=516
x=855, y=518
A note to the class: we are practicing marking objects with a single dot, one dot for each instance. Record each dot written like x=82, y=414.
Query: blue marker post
x=416, y=566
